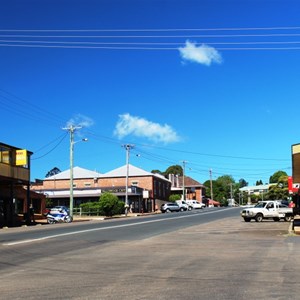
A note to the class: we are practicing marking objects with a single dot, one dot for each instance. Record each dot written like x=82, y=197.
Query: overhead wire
x=52, y=149
x=24, y=108
x=197, y=166
x=150, y=43
x=155, y=29
x=70, y=44
x=283, y=32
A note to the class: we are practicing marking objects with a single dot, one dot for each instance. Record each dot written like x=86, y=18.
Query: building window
x=5, y=155
x=87, y=184
x=135, y=183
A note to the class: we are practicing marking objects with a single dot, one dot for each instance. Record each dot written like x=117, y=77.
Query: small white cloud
x=203, y=54
x=80, y=120
x=139, y=127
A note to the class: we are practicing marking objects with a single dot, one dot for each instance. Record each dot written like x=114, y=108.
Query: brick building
x=194, y=190
x=146, y=191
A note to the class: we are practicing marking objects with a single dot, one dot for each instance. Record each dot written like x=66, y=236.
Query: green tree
x=242, y=183
x=207, y=188
x=110, y=204
x=176, y=169
x=174, y=197
x=157, y=172
x=277, y=192
x=280, y=190
x=259, y=182
x=276, y=176
x=221, y=188
x=53, y=172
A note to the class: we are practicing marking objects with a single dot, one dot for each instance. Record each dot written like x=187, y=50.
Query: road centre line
x=102, y=228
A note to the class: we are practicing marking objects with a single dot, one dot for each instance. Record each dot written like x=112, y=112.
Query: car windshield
x=260, y=204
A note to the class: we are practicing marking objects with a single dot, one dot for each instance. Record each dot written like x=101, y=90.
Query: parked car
x=195, y=204
x=267, y=210
x=169, y=207
x=183, y=205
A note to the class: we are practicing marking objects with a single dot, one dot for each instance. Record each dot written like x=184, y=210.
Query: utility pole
x=231, y=195
x=183, y=180
x=71, y=130
x=127, y=147
x=211, y=185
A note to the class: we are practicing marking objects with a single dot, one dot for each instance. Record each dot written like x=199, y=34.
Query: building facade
x=15, y=194
x=146, y=191
x=193, y=189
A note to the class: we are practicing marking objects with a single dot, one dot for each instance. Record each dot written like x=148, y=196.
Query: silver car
x=169, y=207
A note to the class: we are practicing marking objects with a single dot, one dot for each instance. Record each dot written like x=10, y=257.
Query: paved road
x=213, y=256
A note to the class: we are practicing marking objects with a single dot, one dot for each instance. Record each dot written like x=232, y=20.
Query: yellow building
x=15, y=194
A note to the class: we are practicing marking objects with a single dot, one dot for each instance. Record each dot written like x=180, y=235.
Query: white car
x=183, y=205
x=267, y=210
x=195, y=204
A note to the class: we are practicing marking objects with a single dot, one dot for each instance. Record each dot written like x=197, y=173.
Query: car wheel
x=168, y=210
x=181, y=209
x=259, y=218
x=288, y=218
x=247, y=219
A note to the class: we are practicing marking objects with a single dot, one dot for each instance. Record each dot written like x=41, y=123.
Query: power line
x=150, y=43
x=120, y=43
x=145, y=48
x=26, y=109
x=153, y=36
x=212, y=155
x=59, y=142
x=156, y=29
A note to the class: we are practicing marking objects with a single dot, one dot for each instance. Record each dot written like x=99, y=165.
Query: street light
x=127, y=148
x=72, y=129
x=183, y=180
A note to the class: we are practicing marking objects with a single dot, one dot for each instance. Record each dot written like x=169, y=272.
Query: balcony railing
x=13, y=172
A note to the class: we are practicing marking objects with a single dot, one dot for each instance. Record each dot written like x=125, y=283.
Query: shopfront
x=15, y=196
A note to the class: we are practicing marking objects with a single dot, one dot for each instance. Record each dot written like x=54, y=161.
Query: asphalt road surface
x=205, y=254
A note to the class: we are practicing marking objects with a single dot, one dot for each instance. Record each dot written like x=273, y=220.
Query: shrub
x=91, y=208
x=174, y=197
x=109, y=204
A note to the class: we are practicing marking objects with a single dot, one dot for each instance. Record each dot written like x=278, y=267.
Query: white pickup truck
x=267, y=210
x=183, y=205
x=195, y=204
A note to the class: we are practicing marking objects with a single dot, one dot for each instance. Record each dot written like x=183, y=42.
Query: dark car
x=169, y=207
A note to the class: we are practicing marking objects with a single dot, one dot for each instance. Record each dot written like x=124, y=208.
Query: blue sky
x=214, y=83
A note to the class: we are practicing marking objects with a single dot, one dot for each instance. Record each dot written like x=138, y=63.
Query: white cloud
x=139, y=127
x=203, y=54
x=80, y=120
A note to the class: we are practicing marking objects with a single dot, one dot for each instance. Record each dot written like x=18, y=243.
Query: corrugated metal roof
x=132, y=171
x=80, y=173
x=122, y=172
